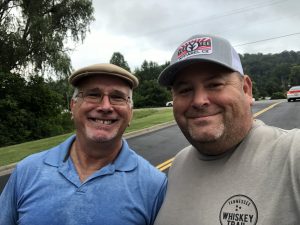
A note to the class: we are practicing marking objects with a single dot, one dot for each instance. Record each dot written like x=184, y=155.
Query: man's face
x=102, y=121
x=212, y=106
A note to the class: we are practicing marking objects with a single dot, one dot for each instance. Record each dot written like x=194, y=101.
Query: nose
x=104, y=104
x=200, y=98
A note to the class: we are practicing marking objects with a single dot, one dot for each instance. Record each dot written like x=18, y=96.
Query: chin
x=100, y=138
x=207, y=135
x=204, y=139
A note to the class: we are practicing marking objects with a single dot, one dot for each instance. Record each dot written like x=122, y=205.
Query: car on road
x=293, y=94
x=169, y=104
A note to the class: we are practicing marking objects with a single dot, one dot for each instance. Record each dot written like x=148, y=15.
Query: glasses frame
x=99, y=99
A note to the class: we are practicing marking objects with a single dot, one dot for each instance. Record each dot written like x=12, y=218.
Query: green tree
x=272, y=73
x=30, y=110
x=294, y=77
x=148, y=71
x=118, y=59
x=62, y=87
x=149, y=93
x=12, y=116
x=33, y=34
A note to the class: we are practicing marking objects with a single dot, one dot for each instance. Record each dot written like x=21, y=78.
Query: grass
x=142, y=118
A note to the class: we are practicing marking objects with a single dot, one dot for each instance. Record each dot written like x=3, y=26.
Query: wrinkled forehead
x=104, y=82
x=199, y=71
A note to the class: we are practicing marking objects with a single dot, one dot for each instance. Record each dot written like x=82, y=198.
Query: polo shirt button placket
x=81, y=190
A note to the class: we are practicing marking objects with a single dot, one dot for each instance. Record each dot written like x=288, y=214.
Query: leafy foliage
x=149, y=93
x=118, y=59
x=294, y=76
x=272, y=73
x=35, y=108
x=33, y=33
x=29, y=110
x=278, y=95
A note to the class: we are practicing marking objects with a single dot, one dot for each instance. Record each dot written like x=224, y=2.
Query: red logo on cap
x=195, y=47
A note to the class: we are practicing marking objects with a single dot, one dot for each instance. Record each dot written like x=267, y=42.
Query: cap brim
x=103, y=69
x=168, y=75
x=75, y=80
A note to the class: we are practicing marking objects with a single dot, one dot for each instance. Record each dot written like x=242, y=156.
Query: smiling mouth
x=105, y=122
x=202, y=116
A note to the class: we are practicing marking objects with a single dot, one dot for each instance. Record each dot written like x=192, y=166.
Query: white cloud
x=151, y=30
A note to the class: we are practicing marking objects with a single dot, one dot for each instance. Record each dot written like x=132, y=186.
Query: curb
x=5, y=170
x=148, y=130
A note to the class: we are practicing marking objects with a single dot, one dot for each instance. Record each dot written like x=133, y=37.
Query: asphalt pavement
x=160, y=143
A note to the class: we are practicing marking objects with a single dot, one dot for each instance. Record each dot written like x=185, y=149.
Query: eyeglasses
x=97, y=97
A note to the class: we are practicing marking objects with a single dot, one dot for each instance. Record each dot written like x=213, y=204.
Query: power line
x=216, y=16
x=268, y=39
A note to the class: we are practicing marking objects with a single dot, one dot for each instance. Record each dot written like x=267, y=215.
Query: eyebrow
x=180, y=83
x=209, y=78
x=114, y=91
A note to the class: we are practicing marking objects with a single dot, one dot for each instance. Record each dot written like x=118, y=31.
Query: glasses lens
x=117, y=99
x=92, y=97
x=95, y=98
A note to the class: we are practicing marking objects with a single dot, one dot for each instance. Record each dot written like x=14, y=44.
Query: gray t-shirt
x=257, y=183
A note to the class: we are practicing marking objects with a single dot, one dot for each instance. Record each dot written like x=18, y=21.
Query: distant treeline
x=37, y=107
x=272, y=74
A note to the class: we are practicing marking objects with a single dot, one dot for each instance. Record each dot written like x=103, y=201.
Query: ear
x=247, y=88
x=72, y=104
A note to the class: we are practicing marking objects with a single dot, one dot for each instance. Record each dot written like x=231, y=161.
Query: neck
x=90, y=157
x=226, y=143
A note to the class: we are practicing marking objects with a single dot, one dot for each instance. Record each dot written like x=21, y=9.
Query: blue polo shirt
x=45, y=189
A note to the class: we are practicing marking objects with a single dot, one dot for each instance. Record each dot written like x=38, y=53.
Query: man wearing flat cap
x=237, y=170
x=93, y=177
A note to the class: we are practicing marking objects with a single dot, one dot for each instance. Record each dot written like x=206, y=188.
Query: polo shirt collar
x=127, y=159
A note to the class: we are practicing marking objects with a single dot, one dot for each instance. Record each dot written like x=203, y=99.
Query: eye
x=118, y=98
x=215, y=85
x=93, y=95
x=184, y=90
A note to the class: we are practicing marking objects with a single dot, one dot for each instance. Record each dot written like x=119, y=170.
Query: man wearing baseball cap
x=93, y=177
x=237, y=170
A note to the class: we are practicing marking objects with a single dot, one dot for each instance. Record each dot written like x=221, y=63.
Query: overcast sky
x=152, y=29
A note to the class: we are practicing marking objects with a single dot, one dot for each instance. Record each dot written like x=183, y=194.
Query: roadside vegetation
x=142, y=118
x=34, y=90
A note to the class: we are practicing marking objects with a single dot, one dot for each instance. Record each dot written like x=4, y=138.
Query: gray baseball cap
x=201, y=48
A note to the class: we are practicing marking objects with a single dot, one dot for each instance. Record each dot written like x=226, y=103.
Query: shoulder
x=261, y=131
x=153, y=174
x=182, y=160
x=184, y=154
x=145, y=175
x=151, y=182
x=260, y=127
x=129, y=160
x=280, y=143
x=33, y=163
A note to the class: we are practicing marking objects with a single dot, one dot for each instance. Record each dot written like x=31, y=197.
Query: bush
x=278, y=95
x=30, y=110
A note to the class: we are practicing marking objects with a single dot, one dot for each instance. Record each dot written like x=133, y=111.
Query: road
x=162, y=145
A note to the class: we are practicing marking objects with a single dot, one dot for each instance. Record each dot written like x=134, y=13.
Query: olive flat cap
x=103, y=69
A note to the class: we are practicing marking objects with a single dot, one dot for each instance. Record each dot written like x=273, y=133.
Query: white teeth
x=106, y=122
